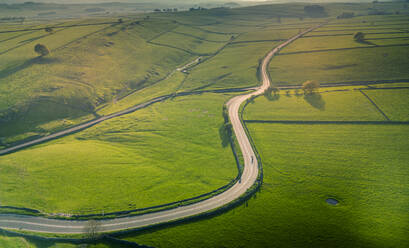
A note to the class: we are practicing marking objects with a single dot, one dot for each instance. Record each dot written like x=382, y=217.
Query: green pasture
x=322, y=43
x=170, y=85
x=362, y=22
x=389, y=41
x=260, y=34
x=80, y=74
x=167, y=152
x=328, y=106
x=364, y=64
x=393, y=102
x=20, y=242
x=200, y=34
x=188, y=43
x=363, y=167
x=234, y=67
x=377, y=28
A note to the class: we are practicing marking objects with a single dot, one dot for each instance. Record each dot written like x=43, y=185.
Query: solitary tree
x=41, y=49
x=49, y=29
x=359, y=37
x=310, y=87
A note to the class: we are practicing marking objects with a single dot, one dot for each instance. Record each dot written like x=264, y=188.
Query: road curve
x=248, y=178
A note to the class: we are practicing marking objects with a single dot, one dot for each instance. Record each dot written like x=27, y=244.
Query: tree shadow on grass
x=315, y=99
x=38, y=60
x=224, y=135
x=366, y=42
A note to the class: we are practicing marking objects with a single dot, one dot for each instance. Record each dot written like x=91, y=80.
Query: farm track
x=247, y=180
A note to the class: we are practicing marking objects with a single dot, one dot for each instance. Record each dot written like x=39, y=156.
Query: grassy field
x=194, y=45
x=80, y=75
x=167, y=152
x=393, y=102
x=225, y=70
x=329, y=106
x=176, y=149
x=366, y=64
x=330, y=54
x=196, y=32
x=320, y=43
x=19, y=242
x=364, y=167
x=92, y=67
x=89, y=72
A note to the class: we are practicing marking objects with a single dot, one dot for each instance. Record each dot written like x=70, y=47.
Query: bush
x=346, y=15
x=310, y=87
x=359, y=37
x=41, y=49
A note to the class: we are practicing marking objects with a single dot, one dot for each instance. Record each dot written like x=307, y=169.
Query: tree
x=346, y=15
x=49, y=29
x=359, y=37
x=41, y=49
x=310, y=87
x=120, y=20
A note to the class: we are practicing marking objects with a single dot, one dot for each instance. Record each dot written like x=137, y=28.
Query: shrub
x=359, y=36
x=310, y=87
x=41, y=49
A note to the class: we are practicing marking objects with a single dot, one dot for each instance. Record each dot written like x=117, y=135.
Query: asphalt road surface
x=248, y=178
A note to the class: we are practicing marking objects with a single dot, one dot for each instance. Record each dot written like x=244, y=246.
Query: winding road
x=248, y=178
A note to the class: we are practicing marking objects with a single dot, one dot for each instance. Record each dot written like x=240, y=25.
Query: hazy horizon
x=179, y=1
